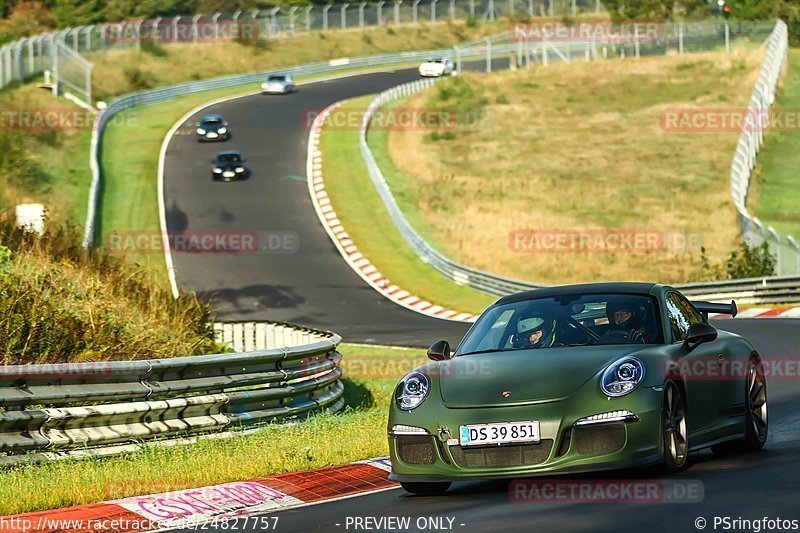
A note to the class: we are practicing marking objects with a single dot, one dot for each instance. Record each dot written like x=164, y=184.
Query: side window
x=681, y=315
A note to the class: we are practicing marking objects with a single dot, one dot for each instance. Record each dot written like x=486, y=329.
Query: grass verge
x=776, y=185
x=363, y=215
x=577, y=149
x=372, y=373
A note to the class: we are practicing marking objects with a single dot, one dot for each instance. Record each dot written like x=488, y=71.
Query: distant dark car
x=212, y=128
x=229, y=165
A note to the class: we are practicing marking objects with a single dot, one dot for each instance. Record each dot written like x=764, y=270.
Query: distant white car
x=278, y=84
x=435, y=67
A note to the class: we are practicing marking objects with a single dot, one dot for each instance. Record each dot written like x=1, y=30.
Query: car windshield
x=229, y=158
x=567, y=320
x=277, y=77
x=436, y=60
x=212, y=121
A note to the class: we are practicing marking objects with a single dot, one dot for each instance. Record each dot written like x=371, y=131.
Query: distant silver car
x=437, y=66
x=278, y=84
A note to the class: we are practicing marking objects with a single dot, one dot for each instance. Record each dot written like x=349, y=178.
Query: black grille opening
x=565, y=441
x=600, y=439
x=416, y=450
x=502, y=456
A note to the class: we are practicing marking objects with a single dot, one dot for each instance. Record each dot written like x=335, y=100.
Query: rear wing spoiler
x=721, y=309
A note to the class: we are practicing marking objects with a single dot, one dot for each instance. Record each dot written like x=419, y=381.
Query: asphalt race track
x=314, y=286
x=750, y=486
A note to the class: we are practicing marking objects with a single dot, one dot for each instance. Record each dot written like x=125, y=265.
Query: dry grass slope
x=580, y=147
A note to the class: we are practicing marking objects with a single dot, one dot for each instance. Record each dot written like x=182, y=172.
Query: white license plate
x=228, y=174
x=500, y=433
x=211, y=135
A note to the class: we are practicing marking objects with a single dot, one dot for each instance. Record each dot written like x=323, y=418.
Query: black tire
x=755, y=417
x=426, y=489
x=674, y=429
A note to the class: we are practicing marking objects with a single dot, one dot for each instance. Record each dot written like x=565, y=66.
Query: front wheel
x=674, y=431
x=426, y=489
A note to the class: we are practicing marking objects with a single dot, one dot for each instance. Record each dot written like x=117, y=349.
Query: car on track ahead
x=212, y=128
x=576, y=379
x=436, y=67
x=278, y=84
x=228, y=166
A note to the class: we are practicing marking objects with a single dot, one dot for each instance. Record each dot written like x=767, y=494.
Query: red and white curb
x=216, y=503
x=349, y=251
x=781, y=312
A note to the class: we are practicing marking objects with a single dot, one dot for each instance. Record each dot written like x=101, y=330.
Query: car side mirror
x=698, y=334
x=439, y=351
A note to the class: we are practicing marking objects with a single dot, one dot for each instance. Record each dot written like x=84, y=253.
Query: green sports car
x=576, y=379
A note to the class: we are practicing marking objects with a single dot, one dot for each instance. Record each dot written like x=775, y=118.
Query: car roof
x=585, y=288
x=228, y=152
x=212, y=117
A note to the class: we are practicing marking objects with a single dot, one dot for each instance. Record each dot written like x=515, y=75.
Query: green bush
x=744, y=262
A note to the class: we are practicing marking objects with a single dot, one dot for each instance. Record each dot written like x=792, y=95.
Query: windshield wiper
x=495, y=350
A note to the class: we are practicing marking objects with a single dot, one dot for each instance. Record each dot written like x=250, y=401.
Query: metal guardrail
x=75, y=406
x=767, y=290
x=253, y=336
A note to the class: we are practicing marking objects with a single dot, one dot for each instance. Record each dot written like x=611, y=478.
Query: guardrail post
x=325, y=10
x=344, y=15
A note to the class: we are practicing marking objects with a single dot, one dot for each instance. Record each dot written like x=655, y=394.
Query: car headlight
x=222, y=131
x=217, y=170
x=413, y=391
x=239, y=169
x=622, y=377
x=264, y=85
x=201, y=131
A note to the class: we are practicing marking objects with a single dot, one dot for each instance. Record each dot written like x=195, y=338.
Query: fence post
x=574, y=9
x=31, y=62
x=414, y=11
x=727, y=37
x=195, y=28
x=175, y=22
x=457, y=51
x=680, y=39
x=215, y=20
x=796, y=247
x=779, y=255
x=433, y=10
x=273, y=20
x=452, y=10
x=530, y=8
x=511, y=9
x=156, y=24
x=343, y=14
x=379, y=13
x=636, y=39
x=550, y=7
x=292, y=11
x=490, y=11
x=472, y=8
x=397, y=11
x=308, y=17
x=361, y=7
x=597, y=6
x=325, y=10
x=488, y=54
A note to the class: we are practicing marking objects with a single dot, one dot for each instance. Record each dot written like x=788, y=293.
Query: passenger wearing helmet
x=627, y=323
x=536, y=332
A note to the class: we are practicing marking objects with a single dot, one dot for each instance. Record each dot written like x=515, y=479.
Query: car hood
x=526, y=375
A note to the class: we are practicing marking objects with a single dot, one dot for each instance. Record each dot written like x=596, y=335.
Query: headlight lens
x=414, y=390
x=222, y=131
x=201, y=131
x=217, y=170
x=622, y=377
x=239, y=169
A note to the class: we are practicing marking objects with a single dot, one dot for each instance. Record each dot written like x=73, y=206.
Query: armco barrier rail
x=69, y=407
x=768, y=290
x=252, y=336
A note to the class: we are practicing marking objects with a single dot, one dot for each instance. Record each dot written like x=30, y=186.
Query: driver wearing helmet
x=538, y=332
x=627, y=321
